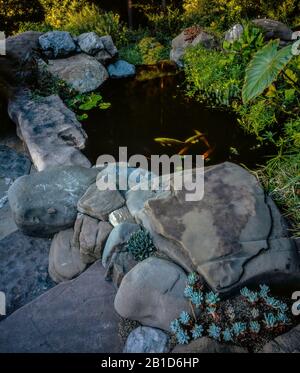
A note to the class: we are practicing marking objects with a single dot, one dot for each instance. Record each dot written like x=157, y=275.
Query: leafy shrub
x=91, y=18
x=223, y=13
x=34, y=26
x=57, y=12
x=13, y=12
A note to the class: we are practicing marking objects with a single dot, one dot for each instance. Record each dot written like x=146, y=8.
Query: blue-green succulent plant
x=239, y=328
x=182, y=337
x=270, y=320
x=227, y=335
x=192, y=278
x=197, y=298
x=212, y=298
x=197, y=331
x=255, y=313
x=254, y=327
x=184, y=318
x=188, y=291
x=282, y=318
x=140, y=245
x=175, y=326
x=214, y=331
x=264, y=291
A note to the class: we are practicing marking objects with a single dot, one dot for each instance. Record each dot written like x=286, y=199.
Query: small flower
x=254, y=327
x=214, y=331
x=255, y=313
x=239, y=328
x=197, y=298
x=184, y=318
x=227, y=335
x=192, y=278
x=264, y=291
x=212, y=298
x=182, y=337
x=197, y=332
x=175, y=326
x=188, y=291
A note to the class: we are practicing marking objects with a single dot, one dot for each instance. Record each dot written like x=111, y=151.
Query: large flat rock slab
x=233, y=236
x=49, y=129
x=23, y=269
x=76, y=316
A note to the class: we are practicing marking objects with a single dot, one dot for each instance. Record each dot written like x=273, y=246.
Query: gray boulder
x=117, y=238
x=57, y=44
x=64, y=259
x=152, y=293
x=233, y=236
x=45, y=203
x=120, y=264
x=147, y=340
x=183, y=40
x=51, y=132
x=100, y=203
x=20, y=47
x=234, y=33
x=90, y=43
x=274, y=29
x=207, y=345
x=82, y=72
x=109, y=45
x=90, y=236
x=121, y=69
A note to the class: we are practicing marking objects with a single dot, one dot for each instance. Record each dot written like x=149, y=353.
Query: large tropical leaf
x=264, y=68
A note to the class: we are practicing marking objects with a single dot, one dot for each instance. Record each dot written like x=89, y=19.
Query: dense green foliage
x=269, y=79
x=140, y=245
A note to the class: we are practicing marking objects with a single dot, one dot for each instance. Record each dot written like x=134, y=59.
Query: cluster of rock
x=232, y=237
x=81, y=61
x=272, y=30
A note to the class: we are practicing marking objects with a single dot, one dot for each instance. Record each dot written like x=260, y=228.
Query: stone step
x=75, y=316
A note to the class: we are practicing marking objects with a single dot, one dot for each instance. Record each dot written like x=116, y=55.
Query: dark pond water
x=144, y=108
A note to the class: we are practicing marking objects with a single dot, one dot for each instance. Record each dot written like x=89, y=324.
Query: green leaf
x=264, y=68
x=104, y=105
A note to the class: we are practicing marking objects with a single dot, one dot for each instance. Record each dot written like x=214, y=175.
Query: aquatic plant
x=272, y=302
x=212, y=298
x=197, y=331
x=227, y=335
x=270, y=320
x=214, y=331
x=140, y=245
x=239, y=328
x=184, y=318
x=254, y=327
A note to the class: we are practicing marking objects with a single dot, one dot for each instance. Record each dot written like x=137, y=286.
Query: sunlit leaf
x=165, y=141
x=264, y=68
